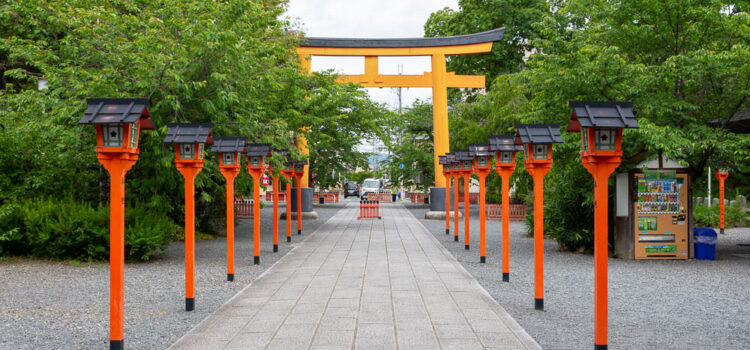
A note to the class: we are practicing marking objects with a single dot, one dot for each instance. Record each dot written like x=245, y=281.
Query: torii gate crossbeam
x=439, y=80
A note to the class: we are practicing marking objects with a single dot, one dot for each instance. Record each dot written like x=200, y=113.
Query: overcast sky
x=370, y=19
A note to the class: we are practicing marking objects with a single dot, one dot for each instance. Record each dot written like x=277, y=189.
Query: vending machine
x=660, y=215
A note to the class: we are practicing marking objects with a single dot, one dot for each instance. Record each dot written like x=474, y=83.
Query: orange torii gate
x=438, y=79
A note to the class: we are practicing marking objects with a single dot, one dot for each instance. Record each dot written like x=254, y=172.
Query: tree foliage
x=682, y=63
x=411, y=145
x=230, y=62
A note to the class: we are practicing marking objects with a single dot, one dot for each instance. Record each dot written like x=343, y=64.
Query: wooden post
x=298, y=177
x=229, y=175
x=275, y=212
x=601, y=167
x=189, y=171
x=467, y=234
x=537, y=172
x=482, y=174
x=117, y=168
x=447, y=203
x=721, y=175
x=455, y=207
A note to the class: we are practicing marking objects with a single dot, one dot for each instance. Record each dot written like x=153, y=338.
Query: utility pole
x=399, y=94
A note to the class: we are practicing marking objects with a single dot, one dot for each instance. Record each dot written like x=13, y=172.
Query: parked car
x=351, y=189
x=369, y=186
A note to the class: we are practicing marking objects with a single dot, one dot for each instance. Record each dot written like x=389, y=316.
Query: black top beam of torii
x=475, y=38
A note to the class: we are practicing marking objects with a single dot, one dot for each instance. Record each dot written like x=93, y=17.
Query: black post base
x=230, y=277
x=447, y=231
x=299, y=232
x=288, y=239
x=189, y=304
x=721, y=231
x=466, y=246
x=539, y=304
x=116, y=345
x=455, y=238
x=275, y=248
x=600, y=347
x=482, y=259
x=506, y=277
x=256, y=260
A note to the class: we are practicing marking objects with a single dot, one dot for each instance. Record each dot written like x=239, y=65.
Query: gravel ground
x=693, y=304
x=63, y=305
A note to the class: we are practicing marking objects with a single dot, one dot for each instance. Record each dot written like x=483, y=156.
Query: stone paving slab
x=362, y=284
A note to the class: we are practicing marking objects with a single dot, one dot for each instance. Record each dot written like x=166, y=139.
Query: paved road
x=364, y=284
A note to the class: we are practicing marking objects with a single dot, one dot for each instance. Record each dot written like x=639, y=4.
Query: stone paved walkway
x=362, y=284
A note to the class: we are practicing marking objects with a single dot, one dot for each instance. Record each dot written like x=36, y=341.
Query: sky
x=370, y=19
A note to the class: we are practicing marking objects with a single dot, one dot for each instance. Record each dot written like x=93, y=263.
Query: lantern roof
x=462, y=155
x=117, y=111
x=258, y=149
x=601, y=115
x=189, y=133
x=538, y=133
x=504, y=143
x=443, y=160
x=281, y=152
x=301, y=162
x=479, y=150
x=450, y=158
x=228, y=144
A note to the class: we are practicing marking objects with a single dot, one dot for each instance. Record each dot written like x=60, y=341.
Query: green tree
x=232, y=62
x=473, y=16
x=411, y=144
x=683, y=64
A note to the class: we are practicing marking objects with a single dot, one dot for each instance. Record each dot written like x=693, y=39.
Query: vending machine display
x=661, y=228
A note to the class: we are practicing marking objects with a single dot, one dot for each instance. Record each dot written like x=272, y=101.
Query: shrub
x=734, y=215
x=568, y=206
x=66, y=229
x=147, y=233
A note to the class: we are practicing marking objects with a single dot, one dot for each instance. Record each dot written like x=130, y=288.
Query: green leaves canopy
x=231, y=62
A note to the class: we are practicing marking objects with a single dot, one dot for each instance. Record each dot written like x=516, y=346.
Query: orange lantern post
x=465, y=159
x=537, y=140
x=505, y=164
x=288, y=174
x=600, y=125
x=229, y=149
x=118, y=122
x=256, y=153
x=721, y=175
x=481, y=154
x=189, y=140
x=456, y=172
x=443, y=160
x=275, y=176
x=299, y=170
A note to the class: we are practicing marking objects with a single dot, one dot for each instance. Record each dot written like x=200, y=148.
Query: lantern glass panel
x=456, y=166
x=200, y=151
x=255, y=160
x=299, y=167
x=134, y=135
x=606, y=139
x=482, y=160
x=187, y=151
x=585, y=138
x=506, y=157
x=540, y=150
x=112, y=135
x=466, y=164
x=228, y=158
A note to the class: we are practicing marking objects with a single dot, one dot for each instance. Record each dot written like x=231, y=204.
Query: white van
x=369, y=186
